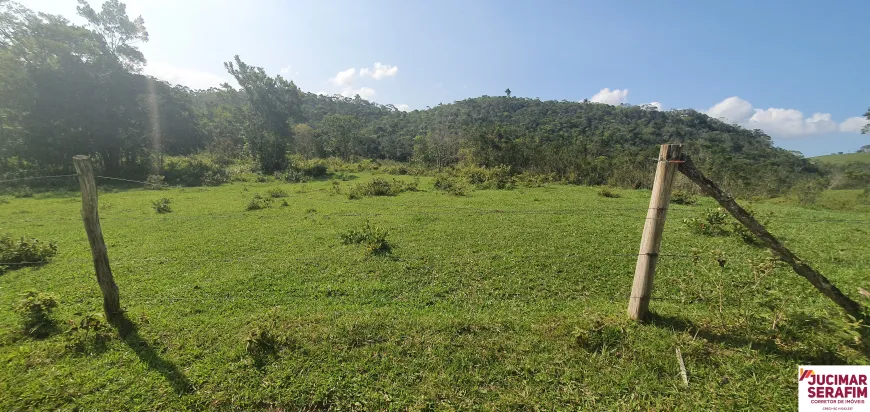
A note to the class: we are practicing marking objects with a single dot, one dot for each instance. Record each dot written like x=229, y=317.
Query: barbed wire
x=36, y=178
x=122, y=180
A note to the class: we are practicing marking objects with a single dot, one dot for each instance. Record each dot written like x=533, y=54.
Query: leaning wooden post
x=821, y=283
x=641, y=289
x=91, y=218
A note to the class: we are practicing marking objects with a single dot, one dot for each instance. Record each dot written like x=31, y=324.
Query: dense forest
x=67, y=89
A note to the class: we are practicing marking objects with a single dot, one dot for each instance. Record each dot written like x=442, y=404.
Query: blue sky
x=795, y=69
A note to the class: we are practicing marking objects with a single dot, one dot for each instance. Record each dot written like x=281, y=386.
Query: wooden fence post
x=644, y=272
x=821, y=283
x=91, y=218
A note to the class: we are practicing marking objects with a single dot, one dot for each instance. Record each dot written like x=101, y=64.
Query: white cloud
x=379, y=71
x=778, y=122
x=364, y=92
x=344, y=77
x=853, y=124
x=194, y=79
x=791, y=122
x=403, y=107
x=614, y=97
x=731, y=110
x=657, y=105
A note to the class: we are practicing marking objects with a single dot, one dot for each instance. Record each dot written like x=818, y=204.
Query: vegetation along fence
x=671, y=160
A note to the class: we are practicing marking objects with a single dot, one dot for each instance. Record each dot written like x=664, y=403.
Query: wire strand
x=35, y=178
x=122, y=180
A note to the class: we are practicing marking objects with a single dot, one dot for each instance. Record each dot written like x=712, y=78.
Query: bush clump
x=268, y=337
x=716, y=222
x=155, y=182
x=295, y=176
x=372, y=237
x=498, y=177
x=24, y=252
x=712, y=222
x=680, y=197
x=161, y=205
x=34, y=309
x=606, y=192
x=450, y=185
x=276, y=193
x=88, y=335
x=808, y=191
x=24, y=192
x=259, y=202
x=196, y=170
x=382, y=187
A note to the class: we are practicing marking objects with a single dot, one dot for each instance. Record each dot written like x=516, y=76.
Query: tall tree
x=118, y=32
x=866, y=128
x=275, y=105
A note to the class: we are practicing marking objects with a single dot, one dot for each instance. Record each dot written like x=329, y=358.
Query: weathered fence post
x=641, y=289
x=821, y=283
x=91, y=218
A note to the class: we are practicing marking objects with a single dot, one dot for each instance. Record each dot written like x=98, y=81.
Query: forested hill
x=66, y=90
x=585, y=142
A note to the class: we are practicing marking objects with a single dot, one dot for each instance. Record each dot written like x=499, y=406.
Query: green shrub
x=680, y=197
x=34, y=309
x=90, y=334
x=295, y=176
x=343, y=176
x=864, y=197
x=712, y=222
x=739, y=230
x=261, y=345
x=450, y=185
x=24, y=252
x=277, y=192
x=498, y=177
x=161, y=205
x=317, y=170
x=335, y=187
x=606, y=192
x=382, y=187
x=25, y=191
x=267, y=337
x=195, y=170
x=259, y=202
x=155, y=182
x=372, y=237
x=808, y=191
x=529, y=179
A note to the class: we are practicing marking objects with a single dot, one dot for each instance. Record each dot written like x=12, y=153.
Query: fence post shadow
x=736, y=339
x=146, y=353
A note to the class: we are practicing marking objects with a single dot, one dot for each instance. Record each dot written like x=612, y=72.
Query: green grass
x=844, y=158
x=502, y=299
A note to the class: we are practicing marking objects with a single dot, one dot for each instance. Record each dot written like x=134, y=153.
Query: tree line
x=67, y=89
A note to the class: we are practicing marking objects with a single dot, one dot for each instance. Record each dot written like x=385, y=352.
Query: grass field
x=502, y=299
x=844, y=158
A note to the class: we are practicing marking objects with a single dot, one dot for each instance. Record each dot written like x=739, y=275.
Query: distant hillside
x=581, y=142
x=840, y=159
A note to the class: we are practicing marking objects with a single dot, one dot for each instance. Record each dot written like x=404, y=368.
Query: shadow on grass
x=146, y=353
x=761, y=342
